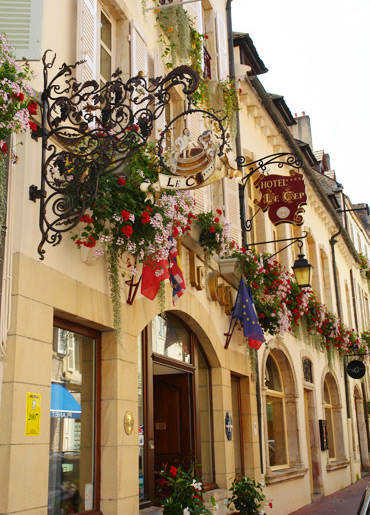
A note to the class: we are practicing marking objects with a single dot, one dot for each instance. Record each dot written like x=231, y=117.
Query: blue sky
x=318, y=56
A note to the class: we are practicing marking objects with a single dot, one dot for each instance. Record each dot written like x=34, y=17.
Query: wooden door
x=173, y=435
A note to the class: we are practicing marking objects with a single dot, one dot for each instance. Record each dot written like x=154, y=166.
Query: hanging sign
x=194, y=164
x=33, y=410
x=356, y=369
x=283, y=197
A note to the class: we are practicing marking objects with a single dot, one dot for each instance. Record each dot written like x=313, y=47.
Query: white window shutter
x=195, y=12
x=21, y=22
x=232, y=207
x=221, y=47
x=139, y=51
x=159, y=71
x=203, y=199
x=87, y=44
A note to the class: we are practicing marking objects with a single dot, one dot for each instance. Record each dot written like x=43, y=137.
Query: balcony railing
x=207, y=64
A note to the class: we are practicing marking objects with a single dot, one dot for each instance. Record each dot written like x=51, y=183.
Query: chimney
x=302, y=130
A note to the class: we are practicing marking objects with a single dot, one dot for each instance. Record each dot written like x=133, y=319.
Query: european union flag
x=245, y=311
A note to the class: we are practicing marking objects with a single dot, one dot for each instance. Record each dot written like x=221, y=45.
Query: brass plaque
x=128, y=422
x=160, y=426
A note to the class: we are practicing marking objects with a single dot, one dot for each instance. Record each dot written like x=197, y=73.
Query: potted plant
x=247, y=496
x=181, y=492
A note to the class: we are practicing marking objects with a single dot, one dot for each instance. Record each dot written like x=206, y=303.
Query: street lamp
x=302, y=270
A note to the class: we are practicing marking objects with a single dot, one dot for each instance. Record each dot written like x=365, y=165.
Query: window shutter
x=159, y=71
x=221, y=47
x=139, y=51
x=21, y=22
x=87, y=39
x=62, y=341
x=195, y=12
x=232, y=208
x=203, y=199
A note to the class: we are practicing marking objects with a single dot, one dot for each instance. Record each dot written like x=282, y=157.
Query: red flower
x=91, y=243
x=127, y=231
x=262, y=315
x=32, y=107
x=32, y=126
x=175, y=232
x=4, y=148
x=176, y=208
x=270, y=504
x=145, y=217
x=212, y=229
x=121, y=181
x=19, y=96
x=216, y=220
x=173, y=471
x=218, y=211
x=86, y=219
x=125, y=215
x=162, y=482
x=149, y=209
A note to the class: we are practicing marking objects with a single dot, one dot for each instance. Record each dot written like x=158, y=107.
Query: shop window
x=281, y=413
x=74, y=421
x=237, y=426
x=333, y=416
x=171, y=338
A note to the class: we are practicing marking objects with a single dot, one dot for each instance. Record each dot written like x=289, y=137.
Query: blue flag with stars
x=245, y=311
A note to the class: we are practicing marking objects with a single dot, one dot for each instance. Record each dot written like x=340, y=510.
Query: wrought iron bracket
x=280, y=159
x=297, y=239
x=89, y=130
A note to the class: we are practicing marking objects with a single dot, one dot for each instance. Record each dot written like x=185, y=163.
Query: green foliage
x=183, y=491
x=246, y=495
x=176, y=34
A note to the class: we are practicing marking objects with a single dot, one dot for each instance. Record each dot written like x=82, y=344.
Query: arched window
x=275, y=415
x=333, y=415
x=281, y=426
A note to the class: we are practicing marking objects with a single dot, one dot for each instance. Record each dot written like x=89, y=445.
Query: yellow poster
x=33, y=414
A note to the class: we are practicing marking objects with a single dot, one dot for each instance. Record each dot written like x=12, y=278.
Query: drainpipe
x=238, y=147
x=332, y=242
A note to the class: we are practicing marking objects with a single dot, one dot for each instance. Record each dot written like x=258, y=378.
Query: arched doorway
x=361, y=429
x=174, y=403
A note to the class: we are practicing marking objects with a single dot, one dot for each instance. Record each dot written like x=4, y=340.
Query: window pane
x=171, y=338
x=330, y=432
x=326, y=393
x=71, y=459
x=106, y=31
x=141, y=419
x=272, y=379
x=236, y=427
x=205, y=420
x=105, y=64
x=276, y=431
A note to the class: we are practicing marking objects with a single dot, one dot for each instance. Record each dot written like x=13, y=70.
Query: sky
x=318, y=57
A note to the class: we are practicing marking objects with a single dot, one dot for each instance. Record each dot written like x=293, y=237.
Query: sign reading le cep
x=283, y=196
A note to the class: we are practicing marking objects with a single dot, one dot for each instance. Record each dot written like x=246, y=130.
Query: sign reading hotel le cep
x=283, y=196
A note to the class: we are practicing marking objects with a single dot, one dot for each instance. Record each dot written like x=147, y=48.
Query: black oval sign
x=356, y=369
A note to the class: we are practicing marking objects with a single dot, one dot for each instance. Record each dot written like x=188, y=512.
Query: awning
x=63, y=404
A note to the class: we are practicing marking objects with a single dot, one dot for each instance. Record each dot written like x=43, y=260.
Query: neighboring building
x=173, y=379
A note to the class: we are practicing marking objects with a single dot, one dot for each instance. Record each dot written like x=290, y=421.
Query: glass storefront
x=72, y=428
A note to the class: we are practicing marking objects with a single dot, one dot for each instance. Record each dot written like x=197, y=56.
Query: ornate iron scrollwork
x=280, y=159
x=107, y=123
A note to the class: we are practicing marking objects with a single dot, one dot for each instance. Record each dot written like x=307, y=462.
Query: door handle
x=151, y=445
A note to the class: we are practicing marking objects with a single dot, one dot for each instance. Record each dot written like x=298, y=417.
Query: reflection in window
x=72, y=413
x=237, y=436
x=275, y=414
x=171, y=338
x=328, y=407
x=205, y=419
x=142, y=470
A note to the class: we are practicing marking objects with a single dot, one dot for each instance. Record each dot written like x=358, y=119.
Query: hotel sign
x=283, y=197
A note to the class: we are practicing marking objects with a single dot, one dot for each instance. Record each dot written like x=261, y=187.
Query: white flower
x=186, y=511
